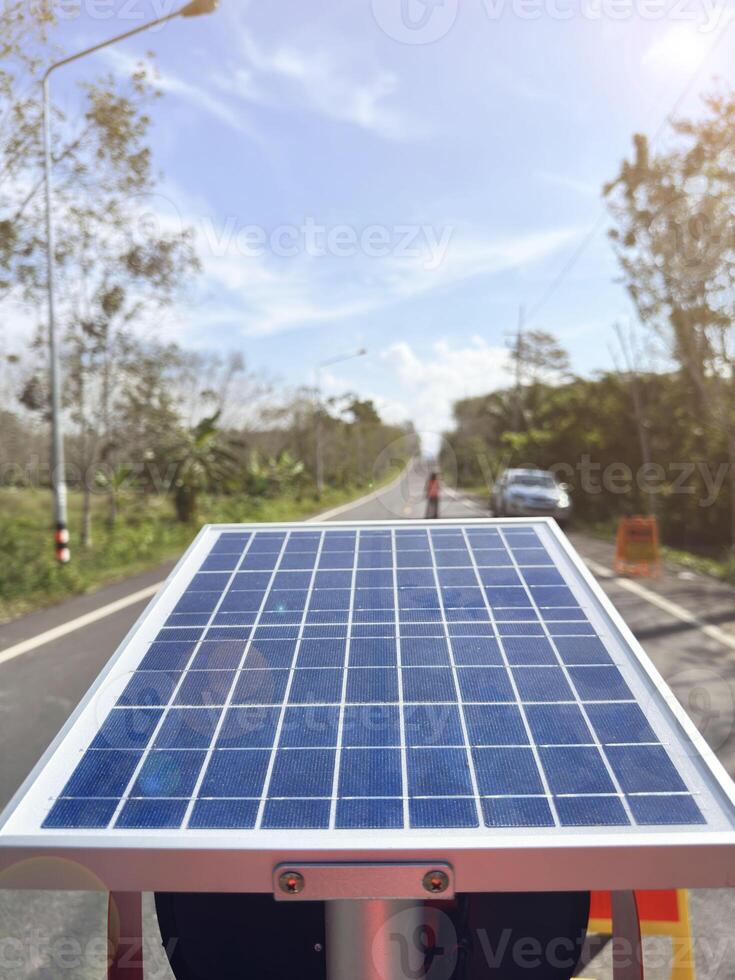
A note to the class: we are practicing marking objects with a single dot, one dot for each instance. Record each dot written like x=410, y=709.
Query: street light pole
x=58, y=465
x=318, y=431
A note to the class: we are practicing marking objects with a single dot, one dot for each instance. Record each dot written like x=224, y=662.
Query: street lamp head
x=198, y=7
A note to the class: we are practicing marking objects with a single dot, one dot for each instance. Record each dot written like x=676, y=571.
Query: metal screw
x=291, y=882
x=436, y=882
x=318, y=947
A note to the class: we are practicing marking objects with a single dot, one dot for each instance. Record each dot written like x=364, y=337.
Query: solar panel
x=433, y=687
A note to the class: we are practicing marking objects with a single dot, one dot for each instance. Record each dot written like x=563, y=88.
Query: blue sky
x=402, y=176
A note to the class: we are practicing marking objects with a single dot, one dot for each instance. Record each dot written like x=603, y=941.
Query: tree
x=675, y=241
x=203, y=462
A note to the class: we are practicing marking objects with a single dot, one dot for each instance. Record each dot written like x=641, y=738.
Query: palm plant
x=203, y=461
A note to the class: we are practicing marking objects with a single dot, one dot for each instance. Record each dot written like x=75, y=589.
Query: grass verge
x=146, y=534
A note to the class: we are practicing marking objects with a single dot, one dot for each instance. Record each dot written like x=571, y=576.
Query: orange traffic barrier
x=661, y=913
x=637, y=547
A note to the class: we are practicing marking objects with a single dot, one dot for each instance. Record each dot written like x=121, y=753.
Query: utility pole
x=58, y=466
x=638, y=410
x=518, y=395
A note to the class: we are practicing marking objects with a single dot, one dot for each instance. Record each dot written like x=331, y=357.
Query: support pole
x=627, y=947
x=125, y=936
x=376, y=939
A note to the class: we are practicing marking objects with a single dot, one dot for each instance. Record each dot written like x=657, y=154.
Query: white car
x=530, y=493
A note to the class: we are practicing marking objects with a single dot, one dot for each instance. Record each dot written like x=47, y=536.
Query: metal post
x=125, y=936
x=58, y=466
x=376, y=939
x=626, y=944
x=194, y=8
x=318, y=435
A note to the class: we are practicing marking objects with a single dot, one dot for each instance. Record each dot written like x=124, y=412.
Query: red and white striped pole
x=61, y=540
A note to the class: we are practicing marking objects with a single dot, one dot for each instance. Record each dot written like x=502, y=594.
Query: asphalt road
x=61, y=937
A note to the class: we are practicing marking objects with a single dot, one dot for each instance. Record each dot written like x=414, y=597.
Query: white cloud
x=432, y=382
x=315, y=79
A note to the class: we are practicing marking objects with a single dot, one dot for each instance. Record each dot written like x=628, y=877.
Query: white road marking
x=26, y=646
x=669, y=607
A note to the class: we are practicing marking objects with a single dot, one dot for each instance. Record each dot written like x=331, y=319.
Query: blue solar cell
x=469, y=615
x=336, y=559
x=543, y=576
x=316, y=686
x=420, y=616
x=377, y=630
x=168, y=773
x=260, y=687
x=127, y=728
x=242, y=602
x=506, y=771
x=415, y=578
x=374, y=617
x=427, y=651
x=542, y=684
x=591, y=811
x=414, y=559
x=378, y=559
x=374, y=599
x=295, y=561
x=187, y=728
x=471, y=629
x=378, y=652
x=231, y=542
x=290, y=580
x=460, y=598
x=372, y=578
x=428, y=684
x=322, y=653
x=221, y=563
x=152, y=814
x=275, y=633
x=224, y=814
x=188, y=619
x=372, y=684
x=235, y=773
x=209, y=582
x=499, y=576
x=296, y=814
x=302, y=773
x=442, y=814
x=492, y=558
x=80, y=815
x=327, y=617
x=432, y=724
x=495, y=724
x=657, y=810
x=644, y=769
x=565, y=626
x=369, y=814
x=552, y=596
x=438, y=772
x=620, y=723
x=286, y=600
x=456, y=578
x=330, y=599
x=249, y=728
x=414, y=629
x=521, y=811
x=484, y=684
x=600, y=684
x=558, y=724
x=270, y=654
x=197, y=602
x=102, y=773
x=314, y=631
x=418, y=599
x=531, y=556
x=529, y=650
x=575, y=770
x=234, y=619
x=310, y=726
x=371, y=725
x=507, y=596
x=149, y=689
x=228, y=633
x=582, y=650
x=452, y=558
x=205, y=688
x=219, y=655
x=186, y=633
x=370, y=772
x=518, y=622
x=332, y=580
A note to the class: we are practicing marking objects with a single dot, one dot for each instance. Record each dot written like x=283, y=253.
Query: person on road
x=433, y=489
